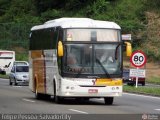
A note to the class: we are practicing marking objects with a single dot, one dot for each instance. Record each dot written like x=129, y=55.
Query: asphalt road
x=20, y=100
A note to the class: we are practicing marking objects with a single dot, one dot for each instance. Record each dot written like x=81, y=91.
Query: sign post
x=138, y=59
x=137, y=78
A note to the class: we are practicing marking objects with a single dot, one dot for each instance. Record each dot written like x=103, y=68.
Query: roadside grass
x=155, y=91
x=4, y=76
x=153, y=80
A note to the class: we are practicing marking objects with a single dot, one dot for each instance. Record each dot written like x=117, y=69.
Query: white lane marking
x=142, y=95
x=157, y=109
x=17, y=86
x=78, y=111
x=28, y=100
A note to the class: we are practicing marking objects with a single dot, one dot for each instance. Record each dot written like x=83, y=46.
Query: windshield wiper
x=106, y=72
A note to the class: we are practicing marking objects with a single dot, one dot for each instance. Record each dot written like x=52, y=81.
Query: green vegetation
x=154, y=80
x=4, y=76
x=142, y=90
x=138, y=17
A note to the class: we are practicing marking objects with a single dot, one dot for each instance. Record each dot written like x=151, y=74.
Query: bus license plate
x=93, y=91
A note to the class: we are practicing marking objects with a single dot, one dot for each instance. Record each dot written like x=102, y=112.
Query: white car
x=19, y=73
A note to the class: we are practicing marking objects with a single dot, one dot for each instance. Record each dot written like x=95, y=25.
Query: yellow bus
x=76, y=58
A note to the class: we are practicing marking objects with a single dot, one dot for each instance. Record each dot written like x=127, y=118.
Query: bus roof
x=77, y=23
x=7, y=51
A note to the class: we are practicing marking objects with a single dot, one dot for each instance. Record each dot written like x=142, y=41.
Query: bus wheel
x=58, y=99
x=108, y=100
x=38, y=95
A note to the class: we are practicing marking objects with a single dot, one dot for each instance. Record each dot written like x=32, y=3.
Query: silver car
x=19, y=74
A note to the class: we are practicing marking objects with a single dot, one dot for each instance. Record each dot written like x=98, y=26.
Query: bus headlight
x=67, y=87
x=113, y=88
x=72, y=88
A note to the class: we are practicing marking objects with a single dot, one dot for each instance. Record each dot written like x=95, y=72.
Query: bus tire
x=38, y=96
x=58, y=99
x=108, y=100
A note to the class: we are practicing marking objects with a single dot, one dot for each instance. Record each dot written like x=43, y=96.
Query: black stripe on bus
x=6, y=57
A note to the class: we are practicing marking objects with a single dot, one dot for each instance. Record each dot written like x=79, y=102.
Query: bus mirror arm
x=60, y=49
x=116, y=57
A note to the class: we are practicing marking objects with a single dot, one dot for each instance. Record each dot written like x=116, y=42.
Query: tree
x=4, y=5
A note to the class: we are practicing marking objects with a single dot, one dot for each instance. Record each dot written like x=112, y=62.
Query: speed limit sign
x=138, y=58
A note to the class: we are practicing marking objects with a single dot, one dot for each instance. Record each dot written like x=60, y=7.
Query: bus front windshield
x=91, y=59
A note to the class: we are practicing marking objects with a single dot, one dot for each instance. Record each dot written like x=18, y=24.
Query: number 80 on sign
x=138, y=58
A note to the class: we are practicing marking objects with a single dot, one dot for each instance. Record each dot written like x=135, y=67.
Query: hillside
x=141, y=18
x=152, y=32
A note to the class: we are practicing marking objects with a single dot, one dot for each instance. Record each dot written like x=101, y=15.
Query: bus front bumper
x=107, y=91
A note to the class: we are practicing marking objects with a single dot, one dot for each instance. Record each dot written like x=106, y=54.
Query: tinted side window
x=43, y=39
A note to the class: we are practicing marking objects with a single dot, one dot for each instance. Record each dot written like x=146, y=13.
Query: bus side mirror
x=128, y=49
x=60, y=49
